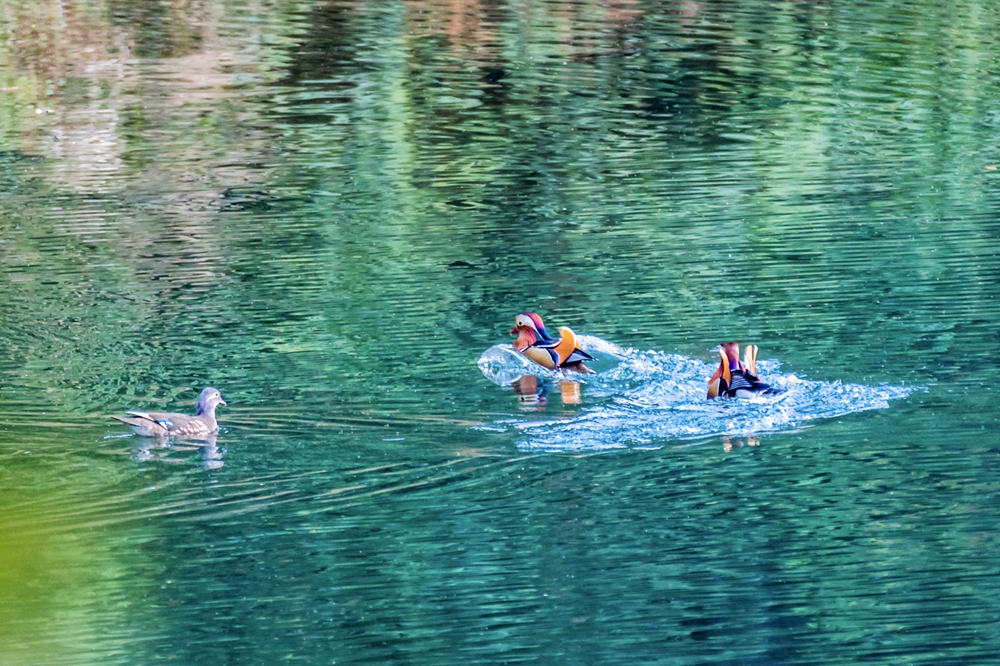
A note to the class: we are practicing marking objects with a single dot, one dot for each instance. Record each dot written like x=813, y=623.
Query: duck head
x=731, y=352
x=529, y=329
x=209, y=399
x=729, y=362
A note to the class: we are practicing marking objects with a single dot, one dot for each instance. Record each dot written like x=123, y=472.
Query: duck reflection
x=533, y=392
x=211, y=454
x=150, y=448
x=161, y=449
x=730, y=443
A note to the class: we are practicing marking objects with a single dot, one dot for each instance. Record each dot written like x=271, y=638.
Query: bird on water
x=738, y=379
x=560, y=353
x=169, y=424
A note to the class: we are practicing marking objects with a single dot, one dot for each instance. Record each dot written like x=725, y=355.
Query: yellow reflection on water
x=533, y=393
x=61, y=587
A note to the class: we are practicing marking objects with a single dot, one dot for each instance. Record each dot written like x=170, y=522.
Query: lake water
x=332, y=212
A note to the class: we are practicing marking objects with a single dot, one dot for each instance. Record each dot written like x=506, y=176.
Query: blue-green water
x=330, y=211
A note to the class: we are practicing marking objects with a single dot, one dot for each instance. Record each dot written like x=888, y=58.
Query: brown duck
x=168, y=424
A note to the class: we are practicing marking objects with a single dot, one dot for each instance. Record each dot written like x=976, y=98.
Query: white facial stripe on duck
x=532, y=321
x=209, y=399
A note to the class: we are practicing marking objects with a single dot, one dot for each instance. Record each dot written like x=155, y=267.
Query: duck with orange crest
x=738, y=379
x=560, y=353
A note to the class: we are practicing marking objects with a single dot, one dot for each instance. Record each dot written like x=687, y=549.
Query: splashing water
x=652, y=396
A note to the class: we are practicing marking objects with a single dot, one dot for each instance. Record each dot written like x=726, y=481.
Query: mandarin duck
x=166, y=424
x=535, y=342
x=736, y=379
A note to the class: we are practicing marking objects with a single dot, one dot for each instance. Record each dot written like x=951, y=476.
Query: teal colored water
x=331, y=211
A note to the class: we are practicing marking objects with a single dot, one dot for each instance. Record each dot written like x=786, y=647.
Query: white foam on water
x=651, y=397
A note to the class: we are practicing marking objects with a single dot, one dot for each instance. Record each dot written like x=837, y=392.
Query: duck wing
x=722, y=378
x=558, y=353
x=558, y=348
x=577, y=356
x=567, y=349
x=146, y=424
x=161, y=424
x=750, y=359
x=746, y=385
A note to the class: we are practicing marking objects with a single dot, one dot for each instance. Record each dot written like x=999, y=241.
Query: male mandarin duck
x=167, y=424
x=553, y=353
x=735, y=379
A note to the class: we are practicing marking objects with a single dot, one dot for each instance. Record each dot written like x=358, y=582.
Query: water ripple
x=651, y=396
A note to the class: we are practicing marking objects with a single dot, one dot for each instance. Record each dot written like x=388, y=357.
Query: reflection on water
x=328, y=210
x=730, y=443
x=168, y=449
x=533, y=392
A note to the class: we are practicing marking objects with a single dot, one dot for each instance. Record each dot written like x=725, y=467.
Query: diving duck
x=553, y=353
x=735, y=379
x=166, y=424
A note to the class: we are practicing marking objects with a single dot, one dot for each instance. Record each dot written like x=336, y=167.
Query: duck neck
x=208, y=416
x=525, y=338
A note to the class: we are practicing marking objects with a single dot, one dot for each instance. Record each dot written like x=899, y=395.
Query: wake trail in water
x=648, y=397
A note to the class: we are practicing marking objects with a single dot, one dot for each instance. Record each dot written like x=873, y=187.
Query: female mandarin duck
x=168, y=424
x=733, y=379
x=553, y=353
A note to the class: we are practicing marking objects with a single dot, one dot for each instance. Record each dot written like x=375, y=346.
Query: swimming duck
x=735, y=379
x=535, y=342
x=167, y=424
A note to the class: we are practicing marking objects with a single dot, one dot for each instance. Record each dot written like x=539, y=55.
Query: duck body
x=170, y=424
x=560, y=353
x=738, y=379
